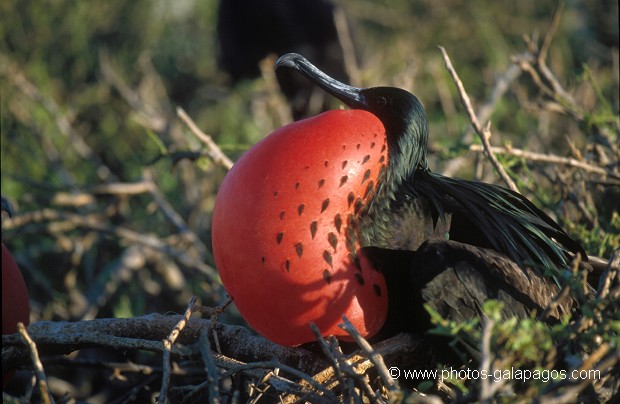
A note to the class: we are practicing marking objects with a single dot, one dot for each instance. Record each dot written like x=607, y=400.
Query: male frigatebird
x=334, y=214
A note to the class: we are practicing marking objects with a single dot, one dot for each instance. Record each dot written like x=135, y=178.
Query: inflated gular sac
x=15, y=305
x=286, y=228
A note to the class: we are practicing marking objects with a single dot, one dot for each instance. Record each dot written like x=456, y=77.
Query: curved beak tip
x=288, y=60
x=349, y=95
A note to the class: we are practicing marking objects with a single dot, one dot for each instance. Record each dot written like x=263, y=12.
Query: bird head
x=401, y=113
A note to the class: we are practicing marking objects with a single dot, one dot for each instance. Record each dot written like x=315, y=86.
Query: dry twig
x=63, y=121
x=168, y=342
x=487, y=391
x=550, y=159
x=210, y=366
x=483, y=132
x=97, y=222
x=374, y=357
x=146, y=333
x=214, y=151
x=46, y=396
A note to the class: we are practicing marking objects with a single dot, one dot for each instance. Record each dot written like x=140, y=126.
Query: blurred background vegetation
x=88, y=98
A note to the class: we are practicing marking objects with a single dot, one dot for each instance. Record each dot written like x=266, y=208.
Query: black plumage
x=448, y=242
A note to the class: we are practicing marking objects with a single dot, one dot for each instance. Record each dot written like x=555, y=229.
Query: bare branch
x=374, y=357
x=210, y=366
x=483, y=133
x=146, y=333
x=275, y=364
x=610, y=277
x=346, y=42
x=214, y=151
x=488, y=387
x=55, y=111
x=95, y=222
x=38, y=366
x=548, y=158
x=168, y=342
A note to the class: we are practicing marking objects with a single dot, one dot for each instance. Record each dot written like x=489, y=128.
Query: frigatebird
x=486, y=241
x=341, y=214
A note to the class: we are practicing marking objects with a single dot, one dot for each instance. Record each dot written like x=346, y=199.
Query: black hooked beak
x=351, y=96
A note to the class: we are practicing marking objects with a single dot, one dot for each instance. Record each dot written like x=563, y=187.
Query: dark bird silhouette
x=447, y=242
x=250, y=30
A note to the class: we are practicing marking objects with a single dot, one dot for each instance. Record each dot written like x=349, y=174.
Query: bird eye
x=381, y=102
